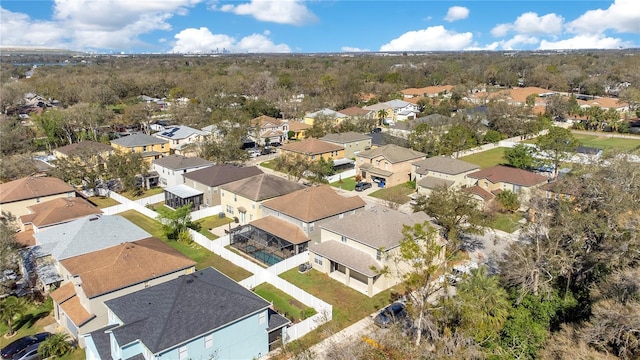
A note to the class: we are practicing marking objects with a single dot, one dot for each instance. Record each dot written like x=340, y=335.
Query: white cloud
x=531, y=23
x=585, y=42
x=519, y=39
x=293, y=12
x=19, y=29
x=431, y=38
x=457, y=13
x=621, y=16
x=353, y=49
x=202, y=40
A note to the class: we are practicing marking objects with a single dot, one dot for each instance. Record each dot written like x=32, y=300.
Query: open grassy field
x=487, y=158
x=609, y=144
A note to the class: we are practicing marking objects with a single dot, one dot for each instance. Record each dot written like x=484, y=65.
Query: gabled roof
x=509, y=175
x=88, y=234
x=88, y=146
x=298, y=126
x=180, y=162
x=168, y=314
x=397, y=104
x=393, y=153
x=377, y=107
x=265, y=121
x=444, y=164
x=217, y=175
x=431, y=182
x=311, y=146
x=58, y=211
x=262, y=187
x=344, y=138
x=377, y=227
x=327, y=113
x=178, y=132
x=31, y=188
x=124, y=265
x=314, y=203
x=347, y=255
x=354, y=111
x=429, y=90
x=138, y=139
x=477, y=190
x=281, y=229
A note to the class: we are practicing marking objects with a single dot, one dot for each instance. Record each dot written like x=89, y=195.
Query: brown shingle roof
x=429, y=90
x=63, y=293
x=311, y=146
x=25, y=238
x=217, y=175
x=91, y=147
x=393, y=153
x=314, y=203
x=58, y=211
x=262, y=187
x=297, y=126
x=281, y=229
x=509, y=175
x=124, y=265
x=354, y=111
x=344, y=138
x=477, y=190
x=31, y=188
x=263, y=120
x=75, y=311
x=444, y=164
x=180, y=162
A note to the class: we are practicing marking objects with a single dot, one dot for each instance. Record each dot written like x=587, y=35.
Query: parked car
x=15, y=347
x=461, y=270
x=254, y=153
x=276, y=144
x=361, y=186
x=390, y=315
x=28, y=353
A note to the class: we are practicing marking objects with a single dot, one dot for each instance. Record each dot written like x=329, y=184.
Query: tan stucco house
x=265, y=130
x=439, y=171
x=150, y=147
x=352, y=142
x=16, y=196
x=388, y=165
x=313, y=149
x=499, y=178
x=208, y=180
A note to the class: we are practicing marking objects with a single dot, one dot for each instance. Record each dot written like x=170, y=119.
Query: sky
x=318, y=26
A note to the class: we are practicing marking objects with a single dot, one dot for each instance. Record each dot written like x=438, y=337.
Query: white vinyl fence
x=203, y=213
x=343, y=175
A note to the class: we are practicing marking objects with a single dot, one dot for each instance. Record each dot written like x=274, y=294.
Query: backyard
x=605, y=142
x=398, y=194
x=487, y=158
x=283, y=303
x=508, y=222
x=203, y=257
x=103, y=201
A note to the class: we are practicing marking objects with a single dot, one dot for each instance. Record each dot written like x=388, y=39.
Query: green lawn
x=608, y=144
x=267, y=164
x=487, y=158
x=203, y=257
x=103, y=202
x=508, y=222
x=405, y=189
x=291, y=308
x=345, y=184
x=211, y=222
x=133, y=195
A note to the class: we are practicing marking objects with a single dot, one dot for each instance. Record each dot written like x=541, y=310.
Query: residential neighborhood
x=272, y=236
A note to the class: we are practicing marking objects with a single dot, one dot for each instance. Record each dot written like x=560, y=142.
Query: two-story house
x=182, y=139
x=388, y=165
x=203, y=315
x=150, y=147
x=298, y=129
x=403, y=110
x=171, y=169
x=87, y=147
x=439, y=171
x=265, y=130
x=352, y=142
x=354, y=248
x=382, y=111
x=243, y=198
x=358, y=114
x=55, y=212
x=325, y=114
x=313, y=149
x=93, y=278
x=208, y=180
x=17, y=195
x=499, y=178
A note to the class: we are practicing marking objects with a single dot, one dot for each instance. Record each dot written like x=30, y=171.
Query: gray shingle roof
x=348, y=256
x=262, y=187
x=445, y=165
x=138, y=139
x=376, y=227
x=217, y=175
x=168, y=314
x=344, y=138
x=88, y=234
x=179, y=132
x=393, y=153
x=102, y=342
x=431, y=182
x=179, y=162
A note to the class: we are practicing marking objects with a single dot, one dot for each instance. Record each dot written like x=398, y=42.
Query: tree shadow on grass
x=28, y=320
x=470, y=243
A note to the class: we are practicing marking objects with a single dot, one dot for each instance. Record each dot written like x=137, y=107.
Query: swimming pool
x=269, y=259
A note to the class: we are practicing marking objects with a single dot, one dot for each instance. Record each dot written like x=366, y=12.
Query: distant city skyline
x=296, y=26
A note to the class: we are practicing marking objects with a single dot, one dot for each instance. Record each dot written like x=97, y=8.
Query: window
x=38, y=199
x=344, y=239
x=182, y=353
x=386, y=165
x=313, y=157
x=262, y=318
x=311, y=227
x=144, y=148
x=378, y=255
x=208, y=341
x=235, y=197
x=517, y=189
x=341, y=216
x=378, y=162
x=230, y=209
x=486, y=184
x=317, y=260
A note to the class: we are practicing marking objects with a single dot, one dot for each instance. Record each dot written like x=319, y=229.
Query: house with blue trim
x=202, y=315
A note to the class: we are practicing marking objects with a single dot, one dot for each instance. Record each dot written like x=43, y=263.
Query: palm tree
x=55, y=345
x=382, y=114
x=10, y=308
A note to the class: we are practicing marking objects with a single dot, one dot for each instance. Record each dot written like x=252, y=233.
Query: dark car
x=15, y=347
x=392, y=314
x=361, y=186
x=28, y=353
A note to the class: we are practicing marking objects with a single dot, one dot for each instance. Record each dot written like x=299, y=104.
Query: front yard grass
x=103, y=202
x=508, y=222
x=283, y=303
x=399, y=193
x=135, y=195
x=487, y=158
x=345, y=184
x=203, y=257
